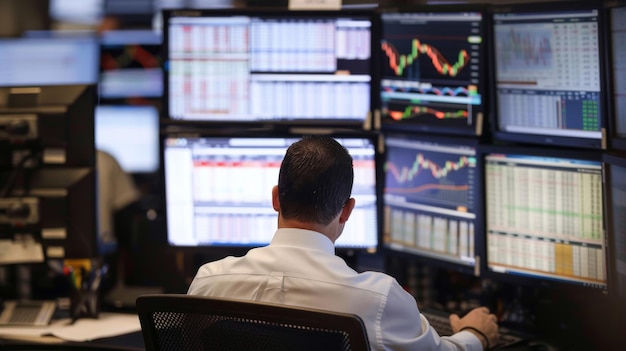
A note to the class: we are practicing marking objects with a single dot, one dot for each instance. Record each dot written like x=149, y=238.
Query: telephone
x=27, y=313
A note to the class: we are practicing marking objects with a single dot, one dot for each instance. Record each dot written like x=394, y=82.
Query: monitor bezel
x=88, y=43
x=283, y=125
x=550, y=140
x=347, y=251
x=481, y=125
x=67, y=202
x=63, y=125
x=479, y=240
x=610, y=160
x=535, y=281
x=616, y=142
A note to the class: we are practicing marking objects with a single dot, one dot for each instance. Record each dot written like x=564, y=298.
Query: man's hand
x=478, y=321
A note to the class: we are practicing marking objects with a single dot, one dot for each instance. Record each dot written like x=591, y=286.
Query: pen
x=71, y=275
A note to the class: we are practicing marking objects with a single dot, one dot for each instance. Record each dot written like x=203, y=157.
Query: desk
x=111, y=331
x=39, y=344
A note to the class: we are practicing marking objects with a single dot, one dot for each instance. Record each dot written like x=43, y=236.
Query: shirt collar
x=303, y=238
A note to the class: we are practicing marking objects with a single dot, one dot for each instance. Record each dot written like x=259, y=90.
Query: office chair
x=186, y=322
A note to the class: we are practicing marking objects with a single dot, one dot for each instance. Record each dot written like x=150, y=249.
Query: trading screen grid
x=255, y=68
x=219, y=191
x=548, y=73
x=545, y=218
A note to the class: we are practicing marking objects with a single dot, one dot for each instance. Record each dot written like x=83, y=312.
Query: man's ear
x=275, y=202
x=347, y=210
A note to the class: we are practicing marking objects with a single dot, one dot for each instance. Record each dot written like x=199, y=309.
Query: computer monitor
x=130, y=134
x=271, y=67
x=160, y=5
x=134, y=13
x=56, y=206
x=124, y=7
x=51, y=60
x=545, y=217
x=48, y=168
x=218, y=191
x=47, y=126
x=549, y=80
x=615, y=167
x=432, y=200
x=130, y=65
x=433, y=69
x=617, y=77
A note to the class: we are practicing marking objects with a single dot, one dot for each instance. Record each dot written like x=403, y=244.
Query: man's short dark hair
x=315, y=180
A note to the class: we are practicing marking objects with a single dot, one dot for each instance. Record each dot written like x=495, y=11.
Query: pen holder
x=85, y=294
x=84, y=303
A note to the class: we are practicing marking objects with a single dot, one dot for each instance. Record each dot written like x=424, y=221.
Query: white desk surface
x=85, y=329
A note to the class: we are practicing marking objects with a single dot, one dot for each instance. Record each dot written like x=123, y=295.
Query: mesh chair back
x=183, y=322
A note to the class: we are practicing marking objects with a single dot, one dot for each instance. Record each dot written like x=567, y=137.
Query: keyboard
x=440, y=321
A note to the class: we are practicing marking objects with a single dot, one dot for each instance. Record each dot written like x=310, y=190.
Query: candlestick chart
x=402, y=64
x=430, y=177
x=130, y=56
x=431, y=73
x=131, y=71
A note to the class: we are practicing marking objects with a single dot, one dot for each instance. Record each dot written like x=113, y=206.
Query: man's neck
x=316, y=227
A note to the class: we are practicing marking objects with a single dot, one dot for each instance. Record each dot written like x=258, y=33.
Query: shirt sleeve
x=125, y=191
x=403, y=327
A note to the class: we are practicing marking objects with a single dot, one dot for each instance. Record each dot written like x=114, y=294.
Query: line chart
x=421, y=164
x=129, y=56
x=415, y=111
x=434, y=178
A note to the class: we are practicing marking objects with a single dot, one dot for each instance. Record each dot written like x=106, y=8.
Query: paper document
x=107, y=325
x=20, y=251
x=85, y=329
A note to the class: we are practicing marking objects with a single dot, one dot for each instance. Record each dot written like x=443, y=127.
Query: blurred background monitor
x=545, y=217
x=52, y=125
x=130, y=65
x=47, y=167
x=433, y=69
x=432, y=200
x=218, y=191
x=160, y=5
x=130, y=13
x=130, y=134
x=272, y=67
x=146, y=13
x=47, y=59
x=548, y=62
x=55, y=206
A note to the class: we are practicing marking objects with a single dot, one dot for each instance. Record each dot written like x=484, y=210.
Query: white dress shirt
x=300, y=268
x=116, y=190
